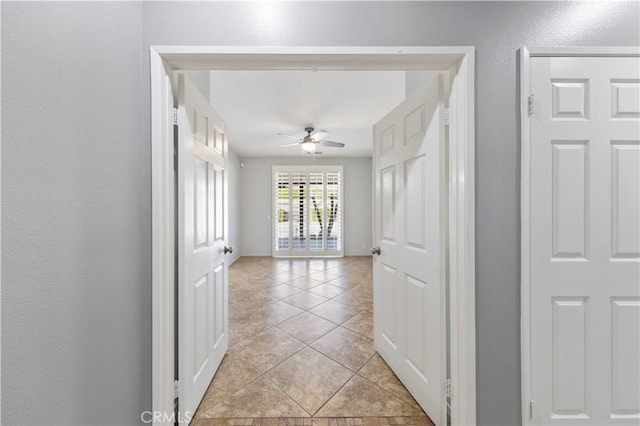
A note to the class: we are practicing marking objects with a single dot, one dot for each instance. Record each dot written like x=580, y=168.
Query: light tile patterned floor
x=301, y=346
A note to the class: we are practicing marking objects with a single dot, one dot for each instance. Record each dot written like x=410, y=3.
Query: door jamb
x=165, y=59
x=525, y=54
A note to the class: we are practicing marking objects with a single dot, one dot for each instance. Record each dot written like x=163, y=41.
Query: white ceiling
x=259, y=104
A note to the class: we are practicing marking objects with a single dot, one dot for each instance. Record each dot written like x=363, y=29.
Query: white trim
x=525, y=285
x=265, y=51
x=163, y=237
x=301, y=58
x=525, y=360
x=0, y=227
x=462, y=244
x=583, y=51
x=462, y=215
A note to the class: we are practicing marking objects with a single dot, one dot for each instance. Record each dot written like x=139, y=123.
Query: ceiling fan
x=312, y=140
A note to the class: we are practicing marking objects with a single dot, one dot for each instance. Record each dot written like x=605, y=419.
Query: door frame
x=524, y=56
x=459, y=60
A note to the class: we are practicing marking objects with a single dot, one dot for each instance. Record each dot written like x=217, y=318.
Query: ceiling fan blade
x=332, y=144
x=320, y=134
x=289, y=136
x=290, y=144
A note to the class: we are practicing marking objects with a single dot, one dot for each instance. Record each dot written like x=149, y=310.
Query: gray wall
x=415, y=79
x=76, y=294
x=234, y=189
x=202, y=80
x=256, y=203
x=72, y=215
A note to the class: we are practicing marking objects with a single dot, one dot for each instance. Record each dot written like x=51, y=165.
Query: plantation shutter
x=282, y=210
x=307, y=217
x=334, y=211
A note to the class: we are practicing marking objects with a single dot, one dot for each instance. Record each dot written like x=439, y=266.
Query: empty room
x=320, y=212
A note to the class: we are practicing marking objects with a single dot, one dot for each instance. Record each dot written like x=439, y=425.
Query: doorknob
x=376, y=250
x=228, y=249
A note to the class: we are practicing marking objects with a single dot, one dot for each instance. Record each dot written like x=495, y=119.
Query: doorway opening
x=458, y=61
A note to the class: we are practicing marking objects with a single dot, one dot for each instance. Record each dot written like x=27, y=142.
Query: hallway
x=301, y=345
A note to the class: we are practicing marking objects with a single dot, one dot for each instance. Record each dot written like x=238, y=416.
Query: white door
x=585, y=241
x=409, y=280
x=202, y=284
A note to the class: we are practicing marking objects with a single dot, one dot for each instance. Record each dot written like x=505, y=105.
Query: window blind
x=308, y=210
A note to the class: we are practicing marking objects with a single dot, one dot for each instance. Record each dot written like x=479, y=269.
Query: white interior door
x=409, y=223
x=585, y=241
x=202, y=221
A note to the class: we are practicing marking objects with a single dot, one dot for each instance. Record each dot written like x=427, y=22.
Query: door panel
x=417, y=325
x=388, y=320
x=218, y=316
x=388, y=202
x=585, y=241
x=625, y=392
x=569, y=189
x=409, y=272
x=625, y=208
x=202, y=269
x=569, y=354
x=219, y=204
x=415, y=202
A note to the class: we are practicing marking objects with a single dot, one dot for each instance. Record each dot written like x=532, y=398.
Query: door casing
x=525, y=182
x=458, y=60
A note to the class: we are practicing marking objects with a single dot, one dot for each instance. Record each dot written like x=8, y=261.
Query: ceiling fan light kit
x=310, y=142
x=308, y=146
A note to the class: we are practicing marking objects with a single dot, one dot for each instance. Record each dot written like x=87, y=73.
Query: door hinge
x=446, y=116
x=531, y=104
x=532, y=403
x=448, y=388
x=176, y=117
x=176, y=388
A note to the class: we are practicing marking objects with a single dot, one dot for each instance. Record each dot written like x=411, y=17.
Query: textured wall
x=72, y=153
x=497, y=30
x=76, y=192
x=256, y=203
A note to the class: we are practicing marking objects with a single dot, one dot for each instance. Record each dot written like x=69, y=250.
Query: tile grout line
x=328, y=357
x=345, y=383
x=225, y=400
x=386, y=391
x=294, y=275
x=304, y=310
x=285, y=392
x=320, y=337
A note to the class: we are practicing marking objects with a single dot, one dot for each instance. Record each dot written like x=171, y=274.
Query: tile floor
x=301, y=346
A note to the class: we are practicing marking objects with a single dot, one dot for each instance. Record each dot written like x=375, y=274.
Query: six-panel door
x=585, y=241
x=202, y=281
x=408, y=273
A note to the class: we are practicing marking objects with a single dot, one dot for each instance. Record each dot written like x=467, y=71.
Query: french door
x=307, y=211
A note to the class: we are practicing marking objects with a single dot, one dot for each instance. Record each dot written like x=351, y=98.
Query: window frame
x=307, y=169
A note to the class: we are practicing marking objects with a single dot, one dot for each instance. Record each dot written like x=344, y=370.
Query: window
x=307, y=211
